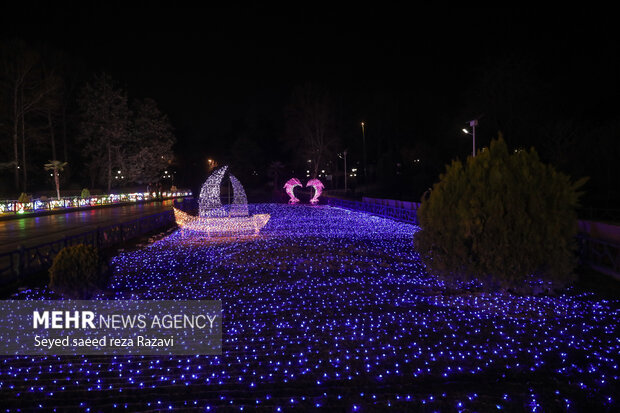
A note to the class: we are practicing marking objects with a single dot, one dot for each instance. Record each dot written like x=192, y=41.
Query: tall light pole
x=473, y=124
x=364, y=148
x=344, y=156
x=345, y=171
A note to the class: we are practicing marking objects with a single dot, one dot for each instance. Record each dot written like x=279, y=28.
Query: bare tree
x=275, y=171
x=25, y=89
x=14, y=72
x=49, y=107
x=311, y=131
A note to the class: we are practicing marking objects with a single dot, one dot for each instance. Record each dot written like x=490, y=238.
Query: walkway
x=31, y=231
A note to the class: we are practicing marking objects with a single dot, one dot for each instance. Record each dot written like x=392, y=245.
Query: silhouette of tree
x=311, y=130
x=104, y=126
x=150, y=149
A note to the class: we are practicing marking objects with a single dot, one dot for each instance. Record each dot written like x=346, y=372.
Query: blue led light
x=329, y=307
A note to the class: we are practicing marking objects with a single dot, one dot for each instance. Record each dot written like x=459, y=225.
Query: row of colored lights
x=75, y=202
x=332, y=308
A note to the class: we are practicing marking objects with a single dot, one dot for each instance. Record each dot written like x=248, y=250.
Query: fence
x=68, y=203
x=388, y=211
x=24, y=261
x=600, y=255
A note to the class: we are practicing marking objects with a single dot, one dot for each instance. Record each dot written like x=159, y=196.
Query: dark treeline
x=407, y=149
x=267, y=90
x=53, y=110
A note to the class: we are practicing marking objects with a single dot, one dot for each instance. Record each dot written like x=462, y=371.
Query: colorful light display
x=332, y=308
x=289, y=187
x=10, y=207
x=216, y=219
x=221, y=225
x=318, y=189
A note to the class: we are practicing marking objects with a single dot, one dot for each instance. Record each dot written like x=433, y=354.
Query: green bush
x=76, y=272
x=505, y=219
x=24, y=197
x=85, y=193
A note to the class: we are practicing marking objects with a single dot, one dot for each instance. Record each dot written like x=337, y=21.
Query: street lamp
x=364, y=147
x=345, y=170
x=473, y=124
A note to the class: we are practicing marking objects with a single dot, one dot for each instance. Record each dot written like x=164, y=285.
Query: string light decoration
x=214, y=218
x=289, y=187
x=209, y=202
x=318, y=189
x=10, y=207
x=328, y=307
x=223, y=225
x=239, y=206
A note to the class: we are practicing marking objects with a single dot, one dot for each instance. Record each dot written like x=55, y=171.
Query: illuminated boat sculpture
x=216, y=219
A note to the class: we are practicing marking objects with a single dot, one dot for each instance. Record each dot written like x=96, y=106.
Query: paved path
x=31, y=231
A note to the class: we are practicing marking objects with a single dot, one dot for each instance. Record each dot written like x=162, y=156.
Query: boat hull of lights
x=221, y=225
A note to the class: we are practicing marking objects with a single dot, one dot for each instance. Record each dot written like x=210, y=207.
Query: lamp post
x=473, y=124
x=345, y=171
x=364, y=148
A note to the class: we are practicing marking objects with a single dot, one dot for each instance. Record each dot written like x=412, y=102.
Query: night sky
x=220, y=72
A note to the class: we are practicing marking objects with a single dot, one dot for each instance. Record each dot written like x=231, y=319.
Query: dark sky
x=212, y=68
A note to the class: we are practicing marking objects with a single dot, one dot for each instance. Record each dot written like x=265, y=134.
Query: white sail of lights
x=239, y=206
x=209, y=202
x=213, y=217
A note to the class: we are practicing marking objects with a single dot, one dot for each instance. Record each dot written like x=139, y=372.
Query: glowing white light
x=213, y=217
x=221, y=225
x=209, y=202
x=239, y=206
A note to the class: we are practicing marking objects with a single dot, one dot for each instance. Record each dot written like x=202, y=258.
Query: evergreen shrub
x=24, y=198
x=76, y=272
x=504, y=219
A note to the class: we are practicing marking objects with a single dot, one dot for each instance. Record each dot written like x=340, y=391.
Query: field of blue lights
x=330, y=307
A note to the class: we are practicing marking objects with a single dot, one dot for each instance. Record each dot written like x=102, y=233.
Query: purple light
x=333, y=307
x=289, y=187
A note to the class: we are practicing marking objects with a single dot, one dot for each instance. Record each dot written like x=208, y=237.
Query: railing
x=24, y=261
x=399, y=214
x=600, y=255
x=68, y=203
